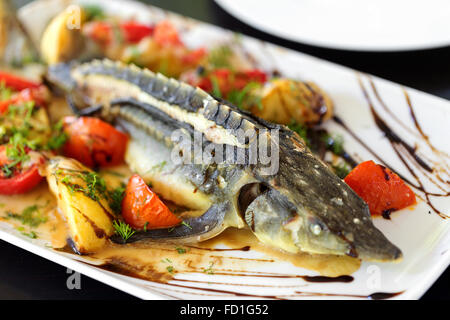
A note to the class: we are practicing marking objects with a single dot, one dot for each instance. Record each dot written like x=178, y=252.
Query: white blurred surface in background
x=367, y=25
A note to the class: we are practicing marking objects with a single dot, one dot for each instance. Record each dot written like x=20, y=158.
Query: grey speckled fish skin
x=303, y=207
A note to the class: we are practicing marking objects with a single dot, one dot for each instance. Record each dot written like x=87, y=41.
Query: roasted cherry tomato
x=383, y=190
x=21, y=180
x=135, y=32
x=142, y=208
x=227, y=80
x=99, y=31
x=94, y=142
x=166, y=34
x=131, y=31
x=39, y=95
x=194, y=57
x=15, y=82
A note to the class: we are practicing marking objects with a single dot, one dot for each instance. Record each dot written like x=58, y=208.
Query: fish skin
x=303, y=207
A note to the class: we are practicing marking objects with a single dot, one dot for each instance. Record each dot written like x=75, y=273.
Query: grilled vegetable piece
x=62, y=39
x=383, y=190
x=284, y=101
x=142, y=208
x=81, y=198
x=302, y=206
x=94, y=142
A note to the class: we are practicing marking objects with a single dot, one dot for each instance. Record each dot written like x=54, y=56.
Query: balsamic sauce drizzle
x=178, y=287
x=408, y=155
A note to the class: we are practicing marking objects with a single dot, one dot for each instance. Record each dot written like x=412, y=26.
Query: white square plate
x=421, y=233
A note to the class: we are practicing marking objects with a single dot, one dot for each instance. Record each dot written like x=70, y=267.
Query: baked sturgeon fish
x=301, y=206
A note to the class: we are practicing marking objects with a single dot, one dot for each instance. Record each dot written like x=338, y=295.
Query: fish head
x=306, y=207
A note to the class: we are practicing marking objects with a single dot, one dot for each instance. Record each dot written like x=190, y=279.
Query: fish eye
x=316, y=229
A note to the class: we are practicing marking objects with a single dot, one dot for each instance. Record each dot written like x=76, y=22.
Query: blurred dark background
x=27, y=276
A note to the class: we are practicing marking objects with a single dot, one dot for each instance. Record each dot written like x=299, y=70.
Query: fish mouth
x=281, y=223
x=247, y=195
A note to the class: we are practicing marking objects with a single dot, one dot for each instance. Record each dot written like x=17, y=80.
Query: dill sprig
x=115, y=198
x=210, y=269
x=95, y=185
x=184, y=223
x=123, y=229
x=58, y=138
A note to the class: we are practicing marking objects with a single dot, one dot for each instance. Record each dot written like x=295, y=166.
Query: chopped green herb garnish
x=301, y=130
x=220, y=57
x=31, y=234
x=123, y=229
x=334, y=143
x=30, y=216
x=244, y=98
x=5, y=93
x=158, y=167
x=341, y=170
x=16, y=153
x=180, y=250
x=95, y=185
x=115, y=198
x=184, y=223
x=209, y=270
x=58, y=138
x=170, y=269
x=93, y=12
x=216, y=87
x=7, y=172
